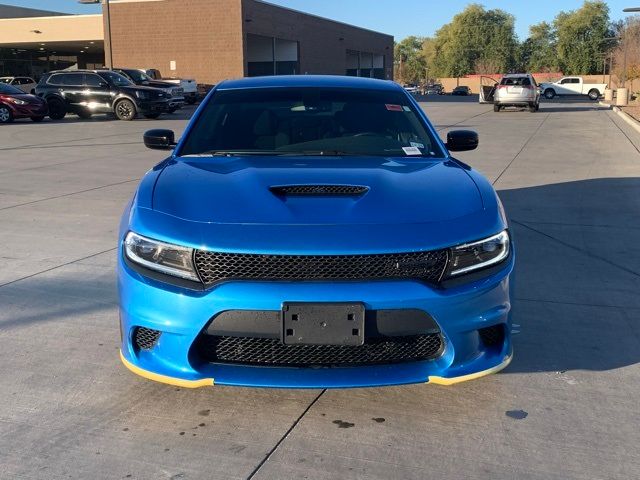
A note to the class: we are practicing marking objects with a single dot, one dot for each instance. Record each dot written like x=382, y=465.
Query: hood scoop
x=319, y=190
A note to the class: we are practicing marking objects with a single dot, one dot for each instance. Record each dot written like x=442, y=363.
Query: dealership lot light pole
x=108, y=54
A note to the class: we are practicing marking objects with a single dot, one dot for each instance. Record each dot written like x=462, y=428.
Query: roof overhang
x=71, y=30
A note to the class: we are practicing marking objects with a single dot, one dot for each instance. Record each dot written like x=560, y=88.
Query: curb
x=627, y=118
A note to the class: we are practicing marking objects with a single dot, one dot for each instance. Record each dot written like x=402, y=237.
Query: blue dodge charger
x=313, y=232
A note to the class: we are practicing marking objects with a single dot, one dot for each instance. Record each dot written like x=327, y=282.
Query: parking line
x=68, y=194
x=57, y=266
x=522, y=149
x=284, y=437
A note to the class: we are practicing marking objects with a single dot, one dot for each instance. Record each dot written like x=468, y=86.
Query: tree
x=629, y=34
x=475, y=39
x=581, y=37
x=410, y=62
x=538, y=51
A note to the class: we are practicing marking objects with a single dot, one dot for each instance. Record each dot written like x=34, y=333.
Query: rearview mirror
x=462, y=140
x=159, y=139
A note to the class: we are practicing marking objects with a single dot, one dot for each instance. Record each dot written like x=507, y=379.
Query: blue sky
x=397, y=17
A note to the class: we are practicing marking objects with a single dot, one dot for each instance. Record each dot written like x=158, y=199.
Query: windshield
x=313, y=121
x=138, y=76
x=115, y=79
x=10, y=89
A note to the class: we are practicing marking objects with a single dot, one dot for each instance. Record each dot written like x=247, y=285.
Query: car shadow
x=577, y=294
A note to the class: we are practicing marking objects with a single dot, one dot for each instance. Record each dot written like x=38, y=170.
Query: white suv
x=517, y=90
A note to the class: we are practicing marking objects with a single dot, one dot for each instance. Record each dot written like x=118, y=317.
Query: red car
x=14, y=103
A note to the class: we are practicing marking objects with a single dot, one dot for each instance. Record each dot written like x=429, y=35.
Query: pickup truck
x=189, y=85
x=572, y=86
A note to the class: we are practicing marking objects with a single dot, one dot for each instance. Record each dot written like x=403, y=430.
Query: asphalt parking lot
x=566, y=408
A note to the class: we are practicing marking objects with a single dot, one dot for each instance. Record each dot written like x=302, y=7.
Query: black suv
x=140, y=78
x=85, y=92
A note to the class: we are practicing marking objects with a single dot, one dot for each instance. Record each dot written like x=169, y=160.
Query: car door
x=566, y=87
x=71, y=90
x=97, y=93
x=488, y=87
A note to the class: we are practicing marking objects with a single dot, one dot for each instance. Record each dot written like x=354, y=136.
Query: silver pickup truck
x=189, y=85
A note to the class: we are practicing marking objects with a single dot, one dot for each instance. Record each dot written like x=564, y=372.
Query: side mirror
x=159, y=139
x=462, y=140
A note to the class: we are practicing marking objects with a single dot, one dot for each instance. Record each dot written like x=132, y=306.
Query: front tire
x=532, y=107
x=496, y=107
x=125, y=110
x=5, y=114
x=594, y=94
x=57, y=109
x=549, y=93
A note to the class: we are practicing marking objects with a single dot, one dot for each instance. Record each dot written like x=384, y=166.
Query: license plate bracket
x=323, y=323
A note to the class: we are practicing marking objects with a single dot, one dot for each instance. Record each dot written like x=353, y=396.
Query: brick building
x=208, y=40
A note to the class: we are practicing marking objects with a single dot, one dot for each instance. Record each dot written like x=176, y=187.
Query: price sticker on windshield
x=393, y=108
x=412, y=151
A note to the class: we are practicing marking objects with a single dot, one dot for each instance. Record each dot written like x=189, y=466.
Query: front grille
x=492, y=336
x=319, y=190
x=215, y=267
x=272, y=352
x=146, y=338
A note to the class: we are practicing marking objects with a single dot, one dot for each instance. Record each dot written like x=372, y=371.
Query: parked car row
x=436, y=89
x=123, y=92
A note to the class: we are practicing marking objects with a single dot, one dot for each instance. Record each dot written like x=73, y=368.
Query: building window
x=364, y=64
x=271, y=56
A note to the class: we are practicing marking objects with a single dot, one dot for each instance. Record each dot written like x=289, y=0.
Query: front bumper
x=182, y=315
x=154, y=106
x=29, y=110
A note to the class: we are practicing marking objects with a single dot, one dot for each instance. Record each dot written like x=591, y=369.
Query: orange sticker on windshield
x=393, y=108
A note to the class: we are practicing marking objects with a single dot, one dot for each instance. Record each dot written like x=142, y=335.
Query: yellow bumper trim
x=205, y=382
x=471, y=376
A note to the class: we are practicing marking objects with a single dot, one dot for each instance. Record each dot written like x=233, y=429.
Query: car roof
x=511, y=75
x=335, y=81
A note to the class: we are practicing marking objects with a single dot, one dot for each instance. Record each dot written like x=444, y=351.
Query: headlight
x=17, y=101
x=142, y=95
x=163, y=257
x=476, y=255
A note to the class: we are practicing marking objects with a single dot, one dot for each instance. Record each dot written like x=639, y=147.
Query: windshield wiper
x=240, y=153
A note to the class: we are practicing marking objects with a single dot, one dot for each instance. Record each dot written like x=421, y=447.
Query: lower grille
x=492, y=336
x=146, y=338
x=272, y=352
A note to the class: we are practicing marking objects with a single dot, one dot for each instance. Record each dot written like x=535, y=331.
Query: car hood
x=158, y=84
x=33, y=99
x=240, y=190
